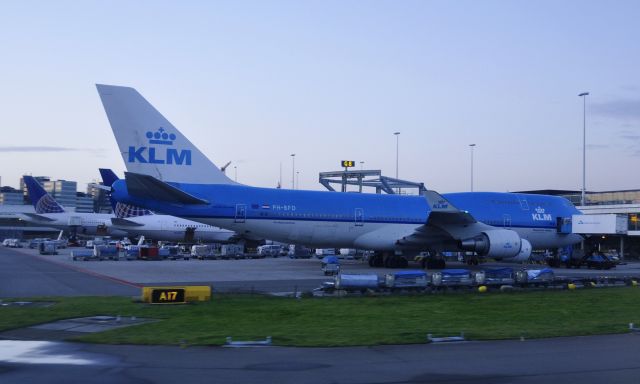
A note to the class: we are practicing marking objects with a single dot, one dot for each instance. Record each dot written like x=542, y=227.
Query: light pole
x=584, y=145
x=297, y=179
x=472, y=146
x=293, y=171
x=397, y=134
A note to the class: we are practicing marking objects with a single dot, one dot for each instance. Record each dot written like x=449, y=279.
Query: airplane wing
x=445, y=226
x=36, y=217
x=124, y=223
x=148, y=187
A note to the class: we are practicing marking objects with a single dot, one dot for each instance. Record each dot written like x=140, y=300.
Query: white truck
x=270, y=250
x=232, y=251
x=600, y=224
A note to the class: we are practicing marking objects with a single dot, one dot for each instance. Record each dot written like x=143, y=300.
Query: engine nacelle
x=499, y=244
x=524, y=254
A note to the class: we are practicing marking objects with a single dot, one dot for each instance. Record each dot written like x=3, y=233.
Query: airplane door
x=523, y=203
x=506, y=221
x=359, y=217
x=241, y=213
x=189, y=234
x=101, y=229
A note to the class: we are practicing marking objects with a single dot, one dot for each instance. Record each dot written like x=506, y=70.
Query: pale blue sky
x=253, y=81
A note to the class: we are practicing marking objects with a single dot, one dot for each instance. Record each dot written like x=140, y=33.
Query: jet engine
x=499, y=244
x=525, y=252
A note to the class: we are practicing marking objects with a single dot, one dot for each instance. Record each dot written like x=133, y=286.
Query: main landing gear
x=433, y=261
x=387, y=260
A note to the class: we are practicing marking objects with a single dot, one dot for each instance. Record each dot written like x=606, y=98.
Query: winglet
x=443, y=212
x=437, y=203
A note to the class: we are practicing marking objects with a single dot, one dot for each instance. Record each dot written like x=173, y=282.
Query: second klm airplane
x=168, y=174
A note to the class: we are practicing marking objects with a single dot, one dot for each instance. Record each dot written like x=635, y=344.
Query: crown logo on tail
x=161, y=136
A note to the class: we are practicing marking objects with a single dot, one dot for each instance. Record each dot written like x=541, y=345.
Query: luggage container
x=320, y=252
x=82, y=254
x=203, y=251
x=48, y=248
x=14, y=243
x=330, y=265
x=330, y=269
x=171, y=252
x=452, y=277
x=232, y=251
x=415, y=280
x=132, y=252
x=164, y=253
x=348, y=253
x=495, y=276
x=105, y=252
x=353, y=282
x=540, y=276
x=270, y=250
x=297, y=251
x=148, y=253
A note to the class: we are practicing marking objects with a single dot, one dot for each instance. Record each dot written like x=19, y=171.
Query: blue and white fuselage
x=367, y=221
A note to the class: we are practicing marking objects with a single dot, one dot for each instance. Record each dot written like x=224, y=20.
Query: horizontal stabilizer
x=124, y=223
x=148, y=187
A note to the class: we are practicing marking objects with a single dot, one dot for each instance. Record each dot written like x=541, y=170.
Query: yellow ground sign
x=176, y=295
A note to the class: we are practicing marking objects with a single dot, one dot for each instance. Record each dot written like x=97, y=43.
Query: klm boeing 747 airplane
x=167, y=173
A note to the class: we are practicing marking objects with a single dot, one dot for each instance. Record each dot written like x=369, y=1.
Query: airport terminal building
x=624, y=202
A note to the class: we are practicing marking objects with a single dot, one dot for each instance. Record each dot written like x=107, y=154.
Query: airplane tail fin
x=150, y=144
x=108, y=176
x=42, y=201
x=120, y=210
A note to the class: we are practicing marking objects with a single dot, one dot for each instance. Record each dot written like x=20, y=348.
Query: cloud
x=597, y=146
x=618, y=109
x=630, y=137
x=628, y=87
x=44, y=148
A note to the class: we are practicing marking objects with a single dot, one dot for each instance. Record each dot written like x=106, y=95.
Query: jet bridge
x=369, y=179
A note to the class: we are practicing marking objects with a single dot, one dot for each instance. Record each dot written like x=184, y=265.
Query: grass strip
x=351, y=321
